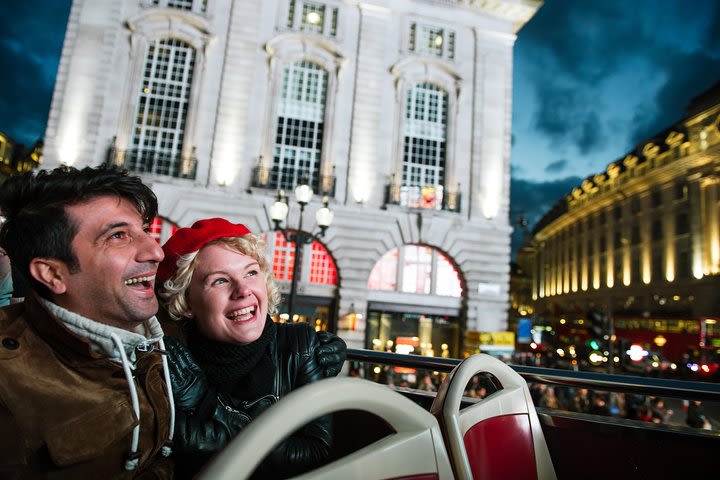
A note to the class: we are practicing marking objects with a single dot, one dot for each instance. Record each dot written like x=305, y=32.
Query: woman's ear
x=50, y=272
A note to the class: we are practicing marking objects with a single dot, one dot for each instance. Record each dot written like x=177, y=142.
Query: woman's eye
x=219, y=281
x=252, y=273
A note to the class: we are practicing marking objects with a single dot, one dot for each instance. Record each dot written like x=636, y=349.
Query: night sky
x=592, y=79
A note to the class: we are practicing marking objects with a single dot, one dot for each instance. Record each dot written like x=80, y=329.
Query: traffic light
x=599, y=323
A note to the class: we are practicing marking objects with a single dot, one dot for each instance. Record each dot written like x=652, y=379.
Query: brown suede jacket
x=65, y=411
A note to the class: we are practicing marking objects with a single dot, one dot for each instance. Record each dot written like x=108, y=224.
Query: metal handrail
x=657, y=387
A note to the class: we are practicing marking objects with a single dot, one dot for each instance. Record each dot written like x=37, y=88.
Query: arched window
x=416, y=269
x=300, y=124
x=424, y=147
x=321, y=266
x=159, y=124
x=161, y=229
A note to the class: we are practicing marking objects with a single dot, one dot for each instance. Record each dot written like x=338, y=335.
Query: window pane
x=162, y=108
x=417, y=269
x=283, y=258
x=448, y=280
x=424, y=147
x=313, y=17
x=300, y=123
x=384, y=273
x=322, y=266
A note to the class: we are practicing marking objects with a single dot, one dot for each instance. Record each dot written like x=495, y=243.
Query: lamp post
x=278, y=214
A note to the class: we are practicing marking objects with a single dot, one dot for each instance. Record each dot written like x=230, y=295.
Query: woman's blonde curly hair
x=174, y=292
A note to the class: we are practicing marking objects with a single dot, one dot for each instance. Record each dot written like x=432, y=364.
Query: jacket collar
x=86, y=337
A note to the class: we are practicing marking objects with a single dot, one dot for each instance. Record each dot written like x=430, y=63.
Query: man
x=79, y=359
x=83, y=381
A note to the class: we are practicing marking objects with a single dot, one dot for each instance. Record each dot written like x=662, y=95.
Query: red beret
x=188, y=240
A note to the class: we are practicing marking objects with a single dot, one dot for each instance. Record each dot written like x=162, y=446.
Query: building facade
x=398, y=111
x=16, y=158
x=641, y=240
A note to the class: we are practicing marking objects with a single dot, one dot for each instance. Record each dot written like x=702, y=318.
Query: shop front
x=413, y=329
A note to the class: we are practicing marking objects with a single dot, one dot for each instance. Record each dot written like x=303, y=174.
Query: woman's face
x=228, y=296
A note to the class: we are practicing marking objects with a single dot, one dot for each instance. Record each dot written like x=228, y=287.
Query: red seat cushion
x=501, y=447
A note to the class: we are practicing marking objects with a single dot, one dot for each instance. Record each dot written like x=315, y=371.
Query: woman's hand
x=331, y=353
x=189, y=383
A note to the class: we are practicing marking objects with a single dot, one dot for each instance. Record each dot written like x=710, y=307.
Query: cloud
x=556, y=166
x=587, y=61
x=532, y=200
x=31, y=45
x=698, y=73
x=567, y=116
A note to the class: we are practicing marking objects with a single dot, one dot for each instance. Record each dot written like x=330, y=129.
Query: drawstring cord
x=133, y=458
x=166, y=449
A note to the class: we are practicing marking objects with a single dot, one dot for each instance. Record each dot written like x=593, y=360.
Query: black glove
x=189, y=383
x=200, y=434
x=331, y=353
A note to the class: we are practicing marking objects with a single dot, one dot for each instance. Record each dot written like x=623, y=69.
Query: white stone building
x=399, y=110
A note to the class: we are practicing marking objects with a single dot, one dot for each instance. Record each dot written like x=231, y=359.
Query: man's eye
x=118, y=235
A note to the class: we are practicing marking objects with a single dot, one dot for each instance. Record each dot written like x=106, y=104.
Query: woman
x=238, y=361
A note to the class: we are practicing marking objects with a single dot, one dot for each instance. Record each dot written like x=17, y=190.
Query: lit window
x=314, y=17
x=425, y=270
x=322, y=266
x=300, y=123
x=161, y=229
x=384, y=273
x=156, y=228
x=448, y=280
x=430, y=40
x=425, y=133
x=190, y=5
x=417, y=269
x=159, y=128
x=283, y=258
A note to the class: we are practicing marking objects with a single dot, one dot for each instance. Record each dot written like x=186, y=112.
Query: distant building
x=398, y=111
x=16, y=158
x=641, y=239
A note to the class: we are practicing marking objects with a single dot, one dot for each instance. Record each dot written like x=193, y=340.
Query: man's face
x=118, y=260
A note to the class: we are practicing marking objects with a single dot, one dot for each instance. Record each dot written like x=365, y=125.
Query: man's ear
x=50, y=272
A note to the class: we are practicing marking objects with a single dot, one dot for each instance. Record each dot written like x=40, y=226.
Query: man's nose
x=149, y=250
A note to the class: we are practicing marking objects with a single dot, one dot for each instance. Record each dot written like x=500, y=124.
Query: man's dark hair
x=37, y=225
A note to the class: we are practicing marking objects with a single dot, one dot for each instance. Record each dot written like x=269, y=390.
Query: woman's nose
x=241, y=290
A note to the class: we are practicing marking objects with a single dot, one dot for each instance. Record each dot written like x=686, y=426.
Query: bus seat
x=414, y=452
x=498, y=437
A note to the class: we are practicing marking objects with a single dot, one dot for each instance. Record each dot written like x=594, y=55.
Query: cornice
x=518, y=12
x=692, y=144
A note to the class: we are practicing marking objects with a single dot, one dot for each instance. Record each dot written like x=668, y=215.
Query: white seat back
x=498, y=437
x=416, y=450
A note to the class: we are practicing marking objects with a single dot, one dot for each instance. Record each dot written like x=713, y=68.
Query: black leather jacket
x=202, y=432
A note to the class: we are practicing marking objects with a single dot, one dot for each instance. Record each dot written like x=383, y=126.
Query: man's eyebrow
x=110, y=227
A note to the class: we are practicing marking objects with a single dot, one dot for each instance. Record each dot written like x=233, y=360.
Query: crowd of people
x=581, y=400
x=629, y=406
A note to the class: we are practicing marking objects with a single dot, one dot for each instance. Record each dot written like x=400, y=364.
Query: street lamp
x=278, y=214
